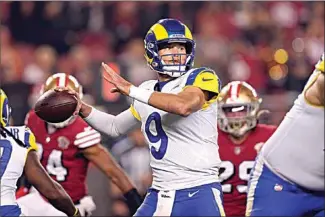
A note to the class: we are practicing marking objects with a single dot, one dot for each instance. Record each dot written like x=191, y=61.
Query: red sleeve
x=86, y=135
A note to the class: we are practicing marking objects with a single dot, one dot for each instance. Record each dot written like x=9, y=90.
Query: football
x=55, y=107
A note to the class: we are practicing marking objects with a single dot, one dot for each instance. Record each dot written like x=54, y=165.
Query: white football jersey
x=296, y=150
x=12, y=161
x=184, y=150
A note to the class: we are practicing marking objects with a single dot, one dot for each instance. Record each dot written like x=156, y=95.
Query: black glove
x=133, y=200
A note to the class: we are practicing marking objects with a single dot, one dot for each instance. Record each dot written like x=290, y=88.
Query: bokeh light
x=281, y=56
x=298, y=45
x=278, y=72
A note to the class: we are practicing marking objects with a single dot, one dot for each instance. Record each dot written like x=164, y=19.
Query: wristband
x=133, y=200
x=140, y=94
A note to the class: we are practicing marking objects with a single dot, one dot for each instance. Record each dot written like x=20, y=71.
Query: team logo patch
x=63, y=142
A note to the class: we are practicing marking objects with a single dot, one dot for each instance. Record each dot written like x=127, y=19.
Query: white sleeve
x=111, y=125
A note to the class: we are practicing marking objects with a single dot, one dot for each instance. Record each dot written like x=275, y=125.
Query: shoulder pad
x=29, y=139
x=195, y=72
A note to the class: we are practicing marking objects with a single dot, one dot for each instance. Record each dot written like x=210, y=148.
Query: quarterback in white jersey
x=18, y=155
x=182, y=148
x=288, y=177
x=177, y=114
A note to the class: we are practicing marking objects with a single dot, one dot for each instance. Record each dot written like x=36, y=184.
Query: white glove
x=86, y=206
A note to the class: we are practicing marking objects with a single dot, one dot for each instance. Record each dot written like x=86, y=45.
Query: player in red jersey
x=65, y=150
x=240, y=138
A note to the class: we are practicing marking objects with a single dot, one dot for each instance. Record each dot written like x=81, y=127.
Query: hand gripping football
x=55, y=107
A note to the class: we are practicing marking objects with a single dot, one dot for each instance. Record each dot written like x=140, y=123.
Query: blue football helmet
x=169, y=31
x=5, y=110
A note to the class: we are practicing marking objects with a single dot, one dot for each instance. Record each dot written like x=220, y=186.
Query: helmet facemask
x=176, y=68
x=237, y=119
x=238, y=108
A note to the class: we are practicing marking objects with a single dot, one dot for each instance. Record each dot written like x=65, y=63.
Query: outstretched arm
x=98, y=155
x=201, y=84
x=38, y=177
x=185, y=103
x=111, y=125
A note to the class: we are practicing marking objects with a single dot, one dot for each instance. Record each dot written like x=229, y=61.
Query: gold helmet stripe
x=159, y=31
x=188, y=33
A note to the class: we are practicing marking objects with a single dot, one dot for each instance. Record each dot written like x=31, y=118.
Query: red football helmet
x=238, y=107
x=62, y=80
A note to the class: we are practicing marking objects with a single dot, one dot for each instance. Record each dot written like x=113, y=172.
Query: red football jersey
x=59, y=152
x=237, y=162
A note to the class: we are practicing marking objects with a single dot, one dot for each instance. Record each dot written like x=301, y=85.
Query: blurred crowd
x=271, y=45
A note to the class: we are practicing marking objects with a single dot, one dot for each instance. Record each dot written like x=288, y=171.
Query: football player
x=175, y=113
x=240, y=138
x=288, y=176
x=65, y=150
x=17, y=157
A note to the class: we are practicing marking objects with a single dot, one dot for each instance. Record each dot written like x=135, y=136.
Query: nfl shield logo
x=237, y=150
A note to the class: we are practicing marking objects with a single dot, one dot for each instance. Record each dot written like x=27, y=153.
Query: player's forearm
x=121, y=180
x=167, y=102
x=60, y=200
x=102, y=122
x=171, y=103
x=111, y=125
x=182, y=104
x=40, y=179
x=99, y=156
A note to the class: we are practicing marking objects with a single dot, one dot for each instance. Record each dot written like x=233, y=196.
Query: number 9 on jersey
x=161, y=136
